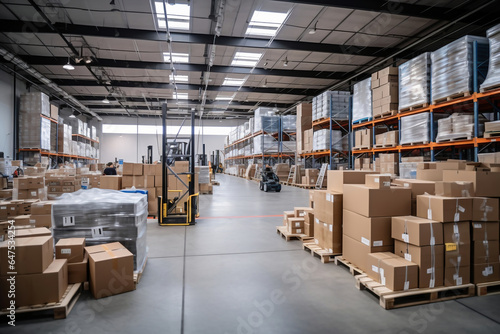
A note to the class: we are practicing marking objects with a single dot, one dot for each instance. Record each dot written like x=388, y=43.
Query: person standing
x=110, y=169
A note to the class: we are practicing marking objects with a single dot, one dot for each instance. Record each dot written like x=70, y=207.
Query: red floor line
x=237, y=217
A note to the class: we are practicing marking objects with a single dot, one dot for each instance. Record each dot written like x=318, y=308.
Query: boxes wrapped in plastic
x=35, y=103
x=362, y=100
x=289, y=123
x=241, y=131
x=493, y=77
x=408, y=170
x=263, y=144
x=338, y=100
x=103, y=216
x=453, y=67
x=204, y=174
x=414, y=81
x=264, y=119
x=457, y=126
x=321, y=140
x=415, y=128
x=34, y=131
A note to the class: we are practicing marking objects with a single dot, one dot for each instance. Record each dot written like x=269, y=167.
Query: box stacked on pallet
x=308, y=141
x=303, y=123
x=414, y=82
x=321, y=140
x=73, y=250
x=363, y=138
x=362, y=101
x=493, y=78
x=282, y=171
x=339, y=102
x=102, y=216
x=415, y=129
x=457, y=126
x=385, y=92
x=265, y=120
x=29, y=187
x=387, y=139
x=396, y=273
x=492, y=129
x=489, y=158
x=34, y=131
x=64, y=137
x=417, y=187
x=289, y=123
x=311, y=177
x=389, y=164
x=453, y=67
x=59, y=184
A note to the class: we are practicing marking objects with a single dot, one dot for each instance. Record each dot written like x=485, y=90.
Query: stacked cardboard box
x=328, y=220
x=385, y=92
x=396, y=273
x=34, y=131
x=368, y=209
x=308, y=141
x=433, y=171
x=363, y=138
x=41, y=214
x=311, y=176
x=389, y=164
x=58, y=185
x=282, y=171
x=73, y=250
x=39, y=279
x=417, y=187
x=29, y=187
x=489, y=158
x=387, y=139
x=486, y=181
x=304, y=123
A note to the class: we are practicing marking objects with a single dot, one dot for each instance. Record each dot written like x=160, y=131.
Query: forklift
x=174, y=150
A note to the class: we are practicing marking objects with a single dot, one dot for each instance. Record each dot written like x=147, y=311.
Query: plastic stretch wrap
x=452, y=66
x=289, y=123
x=493, y=77
x=264, y=144
x=321, y=140
x=103, y=216
x=414, y=81
x=247, y=128
x=362, y=100
x=408, y=170
x=339, y=100
x=263, y=122
x=457, y=126
x=204, y=175
x=415, y=128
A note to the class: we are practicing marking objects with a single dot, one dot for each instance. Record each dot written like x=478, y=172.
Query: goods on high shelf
x=493, y=77
x=457, y=126
x=338, y=100
x=362, y=100
x=414, y=81
x=265, y=120
x=321, y=140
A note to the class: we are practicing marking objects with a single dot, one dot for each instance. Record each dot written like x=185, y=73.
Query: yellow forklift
x=171, y=199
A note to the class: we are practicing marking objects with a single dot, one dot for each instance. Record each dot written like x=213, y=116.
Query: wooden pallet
x=384, y=145
x=415, y=107
x=320, y=119
x=389, y=299
x=216, y=183
x=305, y=186
x=358, y=148
x=416, y=143
x=451, y=98
x=488, y=89
x=454, y=137
x=208, y=192
x=138, y=274
x=60, y=309
x=490, y=288
x=319, y=151
x=493, y=134
x=282, y=231
x=322, y=254
x=353, y=269
x=386, y=114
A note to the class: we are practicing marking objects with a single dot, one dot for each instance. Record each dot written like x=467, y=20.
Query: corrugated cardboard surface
x=36, y=253
x=370, y=202
x=373, y=232
x=417, y=231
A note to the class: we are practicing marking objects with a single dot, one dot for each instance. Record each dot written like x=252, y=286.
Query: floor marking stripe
x=238, y=217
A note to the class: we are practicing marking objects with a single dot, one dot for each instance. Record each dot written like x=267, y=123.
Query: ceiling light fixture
x=78, y=60
x=73, y=114
x=88, y=59
x=285, y=62
x=106, y=101
x=266, y=63
x=68, y=66
x=265, y=83
x=313, y=30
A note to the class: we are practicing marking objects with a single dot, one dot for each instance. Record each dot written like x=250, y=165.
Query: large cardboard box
x=418, y=187
x=373, y=264
x=483, y=273
x=71, y=249
x=113, y=182
x=485, y=251
x=458, y=275
x=485, y=209
x=444, y=209
x=32, y=232
x=128, y=168
x=486, y=183
x=33, y=255
x=337, y=179
x=111, y=268
x=78, y=272
x=398, y=274
x=328, y=206
x=372, y=232
x=485, y=231
x=41, y=220
x=357, y=252
x=370, y=202
x=378, y=181
x=40, y=288
x=417, y=231
x=430, y=261
x=138, y=169
x=454, y=189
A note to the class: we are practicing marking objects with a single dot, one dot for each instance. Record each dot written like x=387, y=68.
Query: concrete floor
x=233, y=274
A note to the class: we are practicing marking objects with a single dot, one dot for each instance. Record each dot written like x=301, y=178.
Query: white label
x=378, y=243
x=493, y=140
x=406, y=237
x=461, y=209
x=387, y=184
x=365, y=241
x=455, y=229
x=97, y=232
x=297, y=224
x=408, y=257
x=316, y=241
x=332, y=199
x=429, y=214
x=455, y=277
x=478, y=225
x=2, y=237
x=325, y=225
x=69, y=221
x=3, y=208
x=66, y=251
x=382, y=280
x=375, y=268
x=407, y=285
x=328, y=198
x=32, y=221
x=430, y=270
x=34, y=193
x=406, y=185
x=432, y=241
x=459, y=280
x=330, y=250
x=376, y=180
x=330, y=227
x=489, y=270
x=299, y=231
x=317, y=220
x=302, y=214
x=431, y=283
x=457, y=217
x=485, y=242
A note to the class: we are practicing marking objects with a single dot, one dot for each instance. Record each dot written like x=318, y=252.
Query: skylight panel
x=178, y=78
x=177, y=16
x=246, y=59
x=177, y=57
x=265, y=23
x=233, y=82
x=181, y=96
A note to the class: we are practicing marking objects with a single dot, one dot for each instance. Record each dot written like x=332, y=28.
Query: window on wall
x=171, y=130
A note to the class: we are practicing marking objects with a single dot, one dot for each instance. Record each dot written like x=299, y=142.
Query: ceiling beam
x=161, y=85
x=191, y=38
x=399, y=8
x=111, y=63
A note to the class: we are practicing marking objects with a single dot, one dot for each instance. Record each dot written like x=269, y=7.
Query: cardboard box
x=457, y=276
x=357, y=253
x=286, y=215
x=378, y=181
x=372, y=232
x=337, y=179
x=417, y=231
x=294, y=222
x=78, y=272
x=148, y=169
x=23, y=220
x=485, y=231
x=128, y=168
x=307, y=229
x=41, y=220
x=319, y=231
x=398, y=274
x=458, y=232
x=486, y=183
x=454, y=189
x=39, y=288
x=429, y=260
x=36, y=253
x=429, y=174
x=71, y=249
x=127, y=181
x=444, y=209
x=139, y=181
x=41, y=208
x=333, y=238
x=458, y=255
x=113, y=182
x=369, y=202
x=138, y=169
x=300, y=211
x=485, y=209
x=373, y=263
x=390, y=70
x=328, y=206
x=483, y=273
x=418, y=187
x=33, y=232
x=111, y=268
x=485, y=251
x=149, y=181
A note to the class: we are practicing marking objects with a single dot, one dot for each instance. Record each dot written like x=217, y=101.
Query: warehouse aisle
x=231, y=273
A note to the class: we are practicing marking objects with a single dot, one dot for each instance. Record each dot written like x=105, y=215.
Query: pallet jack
x=177, y=151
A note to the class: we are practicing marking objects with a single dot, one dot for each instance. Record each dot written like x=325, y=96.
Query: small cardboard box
x=78, y=272
x=111, y=268
x=33, y=232
x=40, y=288
x=36, y=253
x=337, y=179
x=398, y=274
x=357, y=252
x=138, y=169
x=378, y=181
x=485, y=231
x=417, y=231
x=483, y=273
x=444, y=209
x=294, y=223
x=71, y=249
x=300, y=211
x=485, y=209
x=41, y=220
x=374, y=232
x=418, y=187
x=369, y=202
x=286, y=215
x=113, y=182
x=454, y=189
x=373, y=263
x=23, y=220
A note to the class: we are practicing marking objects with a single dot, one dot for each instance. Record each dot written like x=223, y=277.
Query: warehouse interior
x=249, y=166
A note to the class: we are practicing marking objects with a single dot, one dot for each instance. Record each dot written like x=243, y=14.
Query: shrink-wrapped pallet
x=362, y=100
x=414, y=82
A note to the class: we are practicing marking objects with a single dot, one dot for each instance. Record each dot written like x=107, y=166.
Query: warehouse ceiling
x=224, y=57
